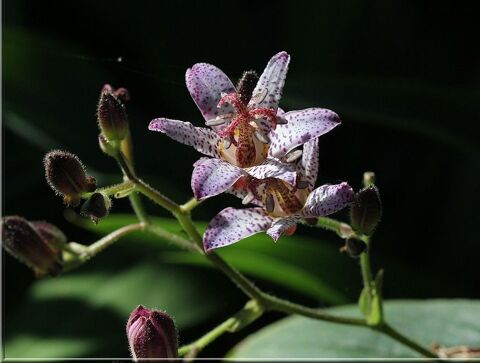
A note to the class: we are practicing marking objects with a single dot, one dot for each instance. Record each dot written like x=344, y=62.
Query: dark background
x=404, y=77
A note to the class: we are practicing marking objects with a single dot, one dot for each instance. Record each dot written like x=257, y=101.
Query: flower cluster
x=256, y=151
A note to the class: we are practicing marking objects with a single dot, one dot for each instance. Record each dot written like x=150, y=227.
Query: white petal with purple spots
x=274, y=168
x=232, y=225
x=213, y=176
x=201, y=139
x=280, y=226
x=269, y=88
x=308, y=166
x=302, y=126
x=206, y=83
x=328, y=199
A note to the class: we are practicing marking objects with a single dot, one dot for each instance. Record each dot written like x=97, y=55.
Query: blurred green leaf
x=445, y=322
x=296, y=262
x=66, y=309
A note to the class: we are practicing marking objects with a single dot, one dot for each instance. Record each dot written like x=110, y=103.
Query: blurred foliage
x=403, y=76
x=447, y=323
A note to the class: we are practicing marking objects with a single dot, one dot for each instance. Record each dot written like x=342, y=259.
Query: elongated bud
x=66, y=176
x=111, y=114
x=246, y=85
x=24, y=242
x=366, y=210
x=151, y=334
x=96, y=207
x=355, y=247
x=50, y=233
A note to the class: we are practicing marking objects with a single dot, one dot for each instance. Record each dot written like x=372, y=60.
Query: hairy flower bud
x=121, y=93
x=97, y=207
x=66, y=176
x=50, y=233
x=355, y=247
x=366, y=210
x=111, y=114
x=151, y=334
x=26, y=243
x=246, y=85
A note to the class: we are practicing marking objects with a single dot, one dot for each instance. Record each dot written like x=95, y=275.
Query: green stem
x=138, y=208
x=276, y=304
x=250, y=312
x=190, y=205
x=113, y=190
x=392, y=333
x=173, y=238
x=110, y=238
x=365, y=266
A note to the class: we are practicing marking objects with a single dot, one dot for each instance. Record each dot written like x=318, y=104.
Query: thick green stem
x=251, y=312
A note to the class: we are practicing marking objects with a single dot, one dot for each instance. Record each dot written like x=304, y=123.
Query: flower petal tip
x=156, y=125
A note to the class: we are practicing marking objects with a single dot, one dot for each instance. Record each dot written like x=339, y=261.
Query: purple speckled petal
x=328, y=199
x=308, y=166
x=280, y=226
x=302, y=126
x=269, y=88
x=206, y=83
x=232, y=225
x=274, y=168
x=201, y=139
x=213, y=176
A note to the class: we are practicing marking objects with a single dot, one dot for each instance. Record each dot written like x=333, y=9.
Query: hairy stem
x=190, y=205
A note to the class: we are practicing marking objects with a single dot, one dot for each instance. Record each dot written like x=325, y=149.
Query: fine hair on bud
x=111, y=115
x=26, y=243
x=65, y=174
x=246, y=85
x=96, y=207
x=151, y=334
x=366, y=210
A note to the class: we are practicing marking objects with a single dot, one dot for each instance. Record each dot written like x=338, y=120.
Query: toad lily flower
x=282, y=205
x=245, y=124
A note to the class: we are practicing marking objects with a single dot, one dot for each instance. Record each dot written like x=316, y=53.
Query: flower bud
x=66, y=176
x=50, y=233
x=96, y=207
x=355, y=247
x=151, y=334
x=366, y=210
x=111, y=114
x=121, y=93
x=246, y=85
x=24, y=242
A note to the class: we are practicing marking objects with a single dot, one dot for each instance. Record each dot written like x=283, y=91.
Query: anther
x=227, y=142
x=215, y=122
x=269, y=203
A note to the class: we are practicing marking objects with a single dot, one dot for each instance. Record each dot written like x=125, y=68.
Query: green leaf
x=260, y=257
x=85, y=312
x=446, y=322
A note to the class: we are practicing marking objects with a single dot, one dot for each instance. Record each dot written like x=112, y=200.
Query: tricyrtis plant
x=254, y=150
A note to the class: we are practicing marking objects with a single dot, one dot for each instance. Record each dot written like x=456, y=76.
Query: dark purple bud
x=24, y=242
x=96, y=207
x=50, y=233
x=366, y=210
x=121, y=93
x=65, y=174
x=246, y=85
x=111, y=114
x=355, y=247
x=151, y=334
